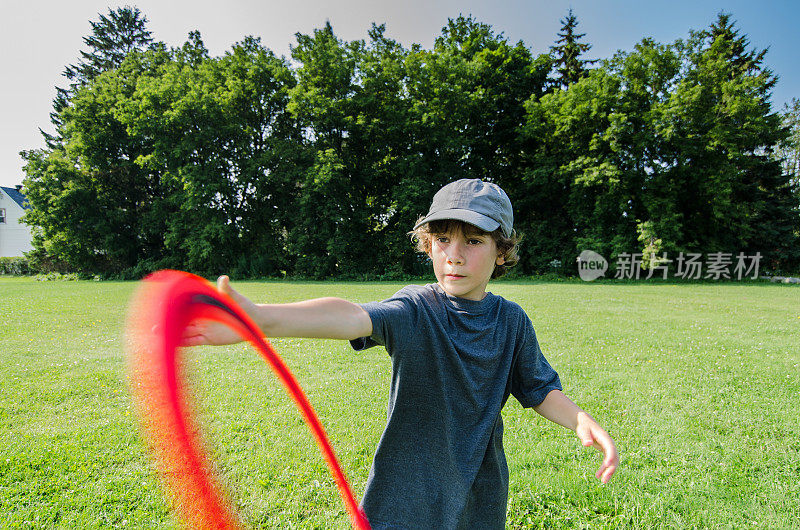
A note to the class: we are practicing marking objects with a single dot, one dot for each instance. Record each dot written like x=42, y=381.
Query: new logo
x=591, y=265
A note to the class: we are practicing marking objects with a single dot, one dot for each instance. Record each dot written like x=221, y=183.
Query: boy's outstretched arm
x=558, y=408
x=331, y=318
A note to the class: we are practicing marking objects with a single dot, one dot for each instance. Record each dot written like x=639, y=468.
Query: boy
x=457, y=353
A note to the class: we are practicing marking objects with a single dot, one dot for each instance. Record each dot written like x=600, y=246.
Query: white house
x=15, y=237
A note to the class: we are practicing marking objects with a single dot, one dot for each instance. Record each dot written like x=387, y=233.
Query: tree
x=741, y=59
x=664, y=149
x=382, y=145
x=720, y=123
x=385, y=128
x=567, y=52
x=173, y=159
x=639, y=146
x=223, y=153
x=113, y=37
x=240, y=164
x=788, y=151
x=330, y=190
x=579, y=188
x=87, y=192
x=468, y=96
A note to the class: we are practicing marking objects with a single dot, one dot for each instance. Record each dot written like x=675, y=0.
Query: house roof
x=18, y=197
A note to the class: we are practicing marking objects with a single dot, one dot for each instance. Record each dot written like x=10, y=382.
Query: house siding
x=15, y=237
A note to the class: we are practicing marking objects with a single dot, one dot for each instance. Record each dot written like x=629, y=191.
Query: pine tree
x=736, y=196
x=788, y=151
x=567, y=52
x=742, y=60
x=113, y=37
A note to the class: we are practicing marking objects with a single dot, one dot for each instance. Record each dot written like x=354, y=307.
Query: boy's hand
x=560, y=409
x=591, y=434
x=202, y=332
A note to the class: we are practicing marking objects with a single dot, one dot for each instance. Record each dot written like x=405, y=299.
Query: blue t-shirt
x=440, y=461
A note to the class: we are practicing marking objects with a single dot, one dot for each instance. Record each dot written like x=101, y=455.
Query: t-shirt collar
x=465, y=304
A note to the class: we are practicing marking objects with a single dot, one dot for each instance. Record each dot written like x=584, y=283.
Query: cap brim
x=487, y=224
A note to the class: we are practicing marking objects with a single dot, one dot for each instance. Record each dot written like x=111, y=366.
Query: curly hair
x=508, y=247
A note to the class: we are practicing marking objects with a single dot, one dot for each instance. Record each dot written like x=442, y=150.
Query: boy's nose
x=454, y=258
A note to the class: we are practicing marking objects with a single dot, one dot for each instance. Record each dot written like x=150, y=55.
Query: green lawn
x=699, y=384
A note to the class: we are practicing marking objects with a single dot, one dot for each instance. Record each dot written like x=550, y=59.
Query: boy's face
x=463, y=263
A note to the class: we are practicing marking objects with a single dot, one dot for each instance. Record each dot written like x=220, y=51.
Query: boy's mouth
x=454, y=276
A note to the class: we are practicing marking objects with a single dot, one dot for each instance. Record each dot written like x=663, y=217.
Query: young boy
x=457, y=354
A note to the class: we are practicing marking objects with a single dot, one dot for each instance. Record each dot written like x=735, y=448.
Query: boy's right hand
x=201, y=332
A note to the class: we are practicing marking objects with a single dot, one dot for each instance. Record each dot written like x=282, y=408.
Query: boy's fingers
x=610, y=463
x=608, y=473
x=605, y=473
x=193, y=335
x=192, y=341
x=191, y=330
x=604, y=444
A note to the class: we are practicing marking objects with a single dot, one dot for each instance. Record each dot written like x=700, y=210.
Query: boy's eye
x=442, y=239
x=474, y=241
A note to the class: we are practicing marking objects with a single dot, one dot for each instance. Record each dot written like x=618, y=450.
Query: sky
x=39, y=38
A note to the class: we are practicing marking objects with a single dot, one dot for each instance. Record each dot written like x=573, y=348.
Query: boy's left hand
x=558, y=408
x=591, y=434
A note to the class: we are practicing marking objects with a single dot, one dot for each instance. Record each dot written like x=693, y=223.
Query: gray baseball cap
x=473, y=201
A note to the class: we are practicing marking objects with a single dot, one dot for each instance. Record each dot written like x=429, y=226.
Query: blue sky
x=37, y=38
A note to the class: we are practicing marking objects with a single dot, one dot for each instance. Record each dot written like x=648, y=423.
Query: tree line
x=255, y=165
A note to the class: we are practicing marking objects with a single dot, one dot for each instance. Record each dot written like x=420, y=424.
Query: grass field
x=699, y=385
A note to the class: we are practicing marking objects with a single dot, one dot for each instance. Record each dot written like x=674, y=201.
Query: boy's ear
x=500, y=259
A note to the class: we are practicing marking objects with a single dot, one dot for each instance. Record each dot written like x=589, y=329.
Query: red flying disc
x=165, y=303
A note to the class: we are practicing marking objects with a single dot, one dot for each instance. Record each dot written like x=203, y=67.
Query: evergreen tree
x=734, y=195
x=113, y=37
x=742, y=61
x=567, y=53
x=788, y=151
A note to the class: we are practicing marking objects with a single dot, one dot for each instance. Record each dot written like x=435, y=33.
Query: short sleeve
x=532, y=377
x=392, y=322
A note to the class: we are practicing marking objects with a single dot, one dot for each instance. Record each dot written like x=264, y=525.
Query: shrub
x=15, y=266
x=58, y=277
